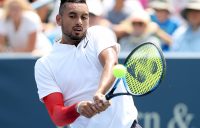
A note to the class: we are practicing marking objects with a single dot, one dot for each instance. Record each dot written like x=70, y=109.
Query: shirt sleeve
x=103, y=38
x=45, y=81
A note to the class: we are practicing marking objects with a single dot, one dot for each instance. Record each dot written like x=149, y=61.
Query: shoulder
x=101, y=32
x=99, y=28
x=41, y=61
x=180, y=31
x=31, y=16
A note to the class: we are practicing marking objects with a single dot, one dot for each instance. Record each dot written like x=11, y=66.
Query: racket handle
x=104, y=99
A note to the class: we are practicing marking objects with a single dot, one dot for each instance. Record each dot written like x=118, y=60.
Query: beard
x=73, y=36
x=76, y=37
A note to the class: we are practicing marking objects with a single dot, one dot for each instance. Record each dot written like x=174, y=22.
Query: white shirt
x=75, y=72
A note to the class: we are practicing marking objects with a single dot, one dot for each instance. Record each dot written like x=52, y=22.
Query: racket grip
x=106, y=98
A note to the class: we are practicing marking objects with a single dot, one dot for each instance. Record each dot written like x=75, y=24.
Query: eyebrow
x=74, y=13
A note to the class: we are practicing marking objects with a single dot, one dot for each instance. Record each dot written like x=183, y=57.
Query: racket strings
x=145, y=68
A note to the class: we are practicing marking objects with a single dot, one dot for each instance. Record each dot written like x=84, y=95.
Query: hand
x=100, y=103
x=87, y=109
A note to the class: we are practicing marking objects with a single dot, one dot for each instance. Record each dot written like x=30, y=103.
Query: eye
x=72, y=16
x=84, y=17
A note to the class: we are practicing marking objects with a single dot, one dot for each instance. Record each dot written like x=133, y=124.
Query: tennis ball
x=119, y=71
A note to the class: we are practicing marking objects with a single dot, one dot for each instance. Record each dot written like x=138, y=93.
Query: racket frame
x=163, y=62
x=111, y=93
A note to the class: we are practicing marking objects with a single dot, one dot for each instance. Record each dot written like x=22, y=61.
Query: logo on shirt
x=86, y=42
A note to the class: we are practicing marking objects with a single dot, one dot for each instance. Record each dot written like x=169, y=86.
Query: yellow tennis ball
x=119, y=71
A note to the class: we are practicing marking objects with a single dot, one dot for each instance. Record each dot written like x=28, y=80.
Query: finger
x=90, y=110
x=100, y=107
x=86, y=113
x=103, y=106
x=86, y=110
x=94, y=109
x=107, y=103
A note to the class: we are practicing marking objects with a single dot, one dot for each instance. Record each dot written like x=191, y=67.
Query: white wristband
x=77, y=107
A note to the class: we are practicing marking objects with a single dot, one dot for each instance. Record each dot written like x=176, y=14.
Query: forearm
x=164, y=36
x=3, y=47
x=108, y=60
x=61, y=115
x=107, y=78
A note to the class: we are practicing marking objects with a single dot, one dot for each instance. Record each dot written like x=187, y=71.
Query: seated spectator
x=162, y=17
x=21, y=29
x=143, y=31
x=96, y=13
x=122, y=9
x=187, y=37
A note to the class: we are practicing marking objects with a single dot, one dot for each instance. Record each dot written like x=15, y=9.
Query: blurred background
x=28, y=31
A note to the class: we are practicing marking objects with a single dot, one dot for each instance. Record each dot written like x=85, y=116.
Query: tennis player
x=74, y=78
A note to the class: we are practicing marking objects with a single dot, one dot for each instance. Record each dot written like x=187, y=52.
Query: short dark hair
x=62, y=2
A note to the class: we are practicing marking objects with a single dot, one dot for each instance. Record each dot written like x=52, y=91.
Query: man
x=163, y=17
x=186, y=38
x=73, y=79
x=143, y=31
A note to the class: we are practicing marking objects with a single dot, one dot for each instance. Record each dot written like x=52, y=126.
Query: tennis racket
x=146, y=67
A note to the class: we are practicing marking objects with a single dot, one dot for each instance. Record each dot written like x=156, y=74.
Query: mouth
x=78, y=29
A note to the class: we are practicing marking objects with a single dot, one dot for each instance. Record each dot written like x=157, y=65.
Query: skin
x=193, y=17
x=139, y=29
x=74, y=22
x=162, y=15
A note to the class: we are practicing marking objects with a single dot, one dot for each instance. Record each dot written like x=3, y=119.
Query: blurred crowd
x=174, y=25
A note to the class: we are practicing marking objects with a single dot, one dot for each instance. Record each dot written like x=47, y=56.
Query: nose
x=79, y=21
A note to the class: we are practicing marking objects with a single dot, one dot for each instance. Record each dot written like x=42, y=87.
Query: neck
x=118, y=7
x=67, y=40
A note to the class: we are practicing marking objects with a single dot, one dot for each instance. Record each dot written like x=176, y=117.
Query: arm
x=63, y=115
x=2, y=43
x=108, y=59
x=60, y=114
x=164, y=36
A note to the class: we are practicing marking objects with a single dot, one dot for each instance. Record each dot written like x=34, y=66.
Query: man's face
x=162, y=14
x=193, y=17
x=139, y=28
x=74, y=20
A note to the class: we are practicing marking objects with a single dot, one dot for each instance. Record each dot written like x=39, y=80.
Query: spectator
x=143, y=31
x=187, y=37
x=122, y=9
x=162, y=17
x=1, y=3
x=21, y=29
x=96, y=13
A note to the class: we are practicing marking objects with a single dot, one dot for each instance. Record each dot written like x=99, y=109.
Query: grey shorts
x=135, y=125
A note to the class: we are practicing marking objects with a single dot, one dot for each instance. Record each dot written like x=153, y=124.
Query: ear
x=58, y=19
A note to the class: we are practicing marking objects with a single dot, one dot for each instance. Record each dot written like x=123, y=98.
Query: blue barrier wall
x=174, y=104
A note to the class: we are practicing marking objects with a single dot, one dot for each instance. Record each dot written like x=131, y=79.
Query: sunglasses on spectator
x=137, y=23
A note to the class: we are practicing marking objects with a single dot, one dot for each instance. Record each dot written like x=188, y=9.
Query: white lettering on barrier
x=181, y=118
